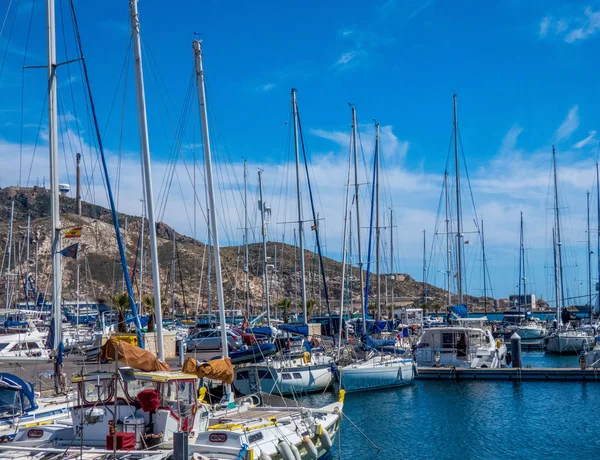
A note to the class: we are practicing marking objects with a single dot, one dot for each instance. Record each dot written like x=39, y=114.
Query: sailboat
x=287, y=374
x=528, y=329
x=377, y=370
x=563, y=340
x=458, y=345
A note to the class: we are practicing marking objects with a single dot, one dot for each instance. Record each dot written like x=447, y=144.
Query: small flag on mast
x=70, y=251
x=74, y=232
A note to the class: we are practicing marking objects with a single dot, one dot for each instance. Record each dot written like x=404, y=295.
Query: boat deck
x=510, y=374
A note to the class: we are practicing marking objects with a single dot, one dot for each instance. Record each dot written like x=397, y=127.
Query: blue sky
x=524, y=71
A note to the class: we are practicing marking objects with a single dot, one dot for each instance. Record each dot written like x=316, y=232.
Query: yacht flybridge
x=460, y=346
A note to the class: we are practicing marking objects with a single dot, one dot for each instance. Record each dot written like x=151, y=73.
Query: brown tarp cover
x=218, y=369
x=132, y=356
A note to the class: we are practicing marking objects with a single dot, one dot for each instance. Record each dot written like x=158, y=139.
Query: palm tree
x=120, y=303
x=148, y=302
x=310, y=306
x=285, y=305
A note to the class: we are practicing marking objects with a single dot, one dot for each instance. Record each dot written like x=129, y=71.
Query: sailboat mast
x=197, y=46
x=424, y=270
x=377, y=228
x=589, y=257
x=28, y=239
x=264, y=243
x=359, y=249
x=521, y=257
x=147, y=172
x=54, y=200
x=392, y=262
x=9, y=251
x=556, y=280
x=344, y=256
x=173, y=280
x=598, y=229
x=448, y=271
x=484, y=269
x=246, y=276
x=299, y=197
x=458, y=210
x=143, y=224
x=557, y=226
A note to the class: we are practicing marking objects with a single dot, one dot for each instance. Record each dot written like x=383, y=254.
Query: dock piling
x=515, y=344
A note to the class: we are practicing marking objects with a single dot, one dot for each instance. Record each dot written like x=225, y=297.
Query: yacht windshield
x=10, y=402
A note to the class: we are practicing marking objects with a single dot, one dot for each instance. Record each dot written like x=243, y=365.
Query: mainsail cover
x=132, y=356
x=217, y=369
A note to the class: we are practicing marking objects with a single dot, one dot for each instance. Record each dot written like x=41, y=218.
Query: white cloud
x=589, y=25
x=501, y=189
x=569, y=125
x=510, y=140
x=571, y=29
x=391, y=147
x=585, y=141
x=265, y=88
x=420, y=8
x=545, y=26
x=345, y=59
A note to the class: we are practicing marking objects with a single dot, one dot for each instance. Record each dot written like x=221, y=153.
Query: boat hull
x=284, y=380
x=531, y=333
x=377, y=375
x=564, y=344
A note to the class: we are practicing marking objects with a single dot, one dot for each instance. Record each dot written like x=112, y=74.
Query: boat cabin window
x=97, y=391
x=297, y=375
x=264, y=375
x=180, y=397
x=3, y=346
x=286, y=376
x=448, y=340
x=133, y=388
x=10, y=402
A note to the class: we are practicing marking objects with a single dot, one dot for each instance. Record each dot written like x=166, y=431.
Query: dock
x=511, y=374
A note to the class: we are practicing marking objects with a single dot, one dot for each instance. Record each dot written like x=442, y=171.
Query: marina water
x=475, y=419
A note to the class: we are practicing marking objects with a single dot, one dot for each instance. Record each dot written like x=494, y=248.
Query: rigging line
x=122, y=254
x=22, y=86
x=5, y=18
x=175, y=149
x=124, y=75
x=183, y=202
x=468, y=180
x=316, y=223
x=37, y=138
x=12, y=26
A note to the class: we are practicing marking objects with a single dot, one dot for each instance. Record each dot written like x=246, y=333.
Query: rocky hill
x=101, y=274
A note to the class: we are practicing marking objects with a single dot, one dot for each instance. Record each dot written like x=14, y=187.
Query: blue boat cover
x=252, y=354
x=376, y=343
x=458, y=311
x=9, y=323
x=301, y=329
x=260, y=331
x=13, y=383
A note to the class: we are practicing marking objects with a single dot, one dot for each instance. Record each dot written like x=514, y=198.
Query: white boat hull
x=284, y=380
x=568, y=343
x=376, y=374
x=531, y=333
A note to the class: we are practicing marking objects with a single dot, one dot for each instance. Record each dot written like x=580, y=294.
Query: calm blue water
x=475, y=419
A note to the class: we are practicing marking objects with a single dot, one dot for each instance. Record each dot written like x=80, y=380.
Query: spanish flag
x=74, y=232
